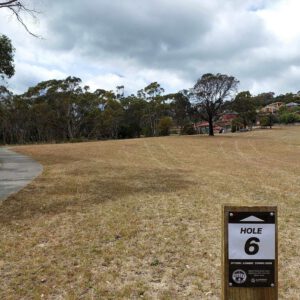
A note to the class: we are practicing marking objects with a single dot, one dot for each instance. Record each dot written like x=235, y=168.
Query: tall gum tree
x=210, y=91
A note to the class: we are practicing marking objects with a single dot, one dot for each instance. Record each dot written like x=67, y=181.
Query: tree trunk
x=211, y=126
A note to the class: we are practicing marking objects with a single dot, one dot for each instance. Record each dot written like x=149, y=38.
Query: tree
x=236, y=124
x=17, y=7
x=210, y=92
x=153, y=90
x=5, y=94
x=6, y=57
x=181, y=108
x=288, y=118
x=155, y=108
x=267, y=120
x=62, y=98
x=120, y=92
x=263, y=99
x=132, y=122
x=112, y=118
x=244, y=105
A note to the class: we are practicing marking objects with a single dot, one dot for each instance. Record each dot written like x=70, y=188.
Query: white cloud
x=132, y=43
x=29, y=75
x=282, y=19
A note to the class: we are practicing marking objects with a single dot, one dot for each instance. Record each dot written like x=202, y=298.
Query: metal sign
x=251, y=248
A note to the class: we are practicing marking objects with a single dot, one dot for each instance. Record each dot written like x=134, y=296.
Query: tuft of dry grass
x=141, y=218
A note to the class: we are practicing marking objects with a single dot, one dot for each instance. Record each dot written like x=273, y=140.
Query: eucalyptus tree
x=61, y=97
x=109, y=114
x=7, y=68
x=134, y=109
x=181, y=108
x=210, y=91
x=5, y=99
x=155, y=108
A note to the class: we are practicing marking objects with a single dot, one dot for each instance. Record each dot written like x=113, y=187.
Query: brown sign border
x=243, y=293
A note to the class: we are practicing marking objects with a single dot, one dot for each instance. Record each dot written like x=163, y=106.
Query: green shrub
x=147, y=131
x=188, y=129
x=236, y=123
x=288, y=118
x=268, y=120
x=164, y=126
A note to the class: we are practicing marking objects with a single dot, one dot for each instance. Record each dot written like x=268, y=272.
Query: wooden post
x=250, y=253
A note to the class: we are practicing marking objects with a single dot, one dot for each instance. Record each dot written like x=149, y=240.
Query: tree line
x=64, y=110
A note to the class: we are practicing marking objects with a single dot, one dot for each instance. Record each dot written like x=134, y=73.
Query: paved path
x=16, y=171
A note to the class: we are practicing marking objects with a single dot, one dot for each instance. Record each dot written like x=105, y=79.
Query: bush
x=147, y=132
x=164, y=126
x=288, y=118
x=236, y=124
x=264, y=121
x=267, y=120
x=188, y=129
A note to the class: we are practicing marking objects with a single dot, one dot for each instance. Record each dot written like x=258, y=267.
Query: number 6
x=251, y=246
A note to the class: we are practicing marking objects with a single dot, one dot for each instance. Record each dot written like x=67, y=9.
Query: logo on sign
x=239, y=276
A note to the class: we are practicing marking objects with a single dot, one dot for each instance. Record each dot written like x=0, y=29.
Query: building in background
x=272, y=108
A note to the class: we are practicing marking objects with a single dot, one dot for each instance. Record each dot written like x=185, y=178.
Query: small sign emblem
x=239, y=276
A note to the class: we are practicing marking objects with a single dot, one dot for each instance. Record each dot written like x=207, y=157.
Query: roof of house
x=291, y=104
x=229, y=112
x=201, y=124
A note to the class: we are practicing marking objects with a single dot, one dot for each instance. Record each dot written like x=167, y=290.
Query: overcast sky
x=134, y=42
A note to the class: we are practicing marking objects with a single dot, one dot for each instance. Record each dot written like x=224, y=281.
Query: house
x=292, y=105
x=203, y=127
x=225, y=120
x=223, y=124
x=272, y=108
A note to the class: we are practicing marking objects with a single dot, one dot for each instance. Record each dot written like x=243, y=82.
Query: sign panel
x=251, y=248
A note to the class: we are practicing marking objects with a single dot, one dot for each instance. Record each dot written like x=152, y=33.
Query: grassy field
x=141, y=218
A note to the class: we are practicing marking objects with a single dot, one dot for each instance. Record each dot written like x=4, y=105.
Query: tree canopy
x=210, y=92
x=7, y=68
x=63, y=110
x=244, y=105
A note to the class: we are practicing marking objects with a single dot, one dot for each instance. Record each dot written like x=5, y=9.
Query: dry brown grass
x=141, y=218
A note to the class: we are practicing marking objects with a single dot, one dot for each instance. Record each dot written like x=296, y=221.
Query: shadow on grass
x=80, y=189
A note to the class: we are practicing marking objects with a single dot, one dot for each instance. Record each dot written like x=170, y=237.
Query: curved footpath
x=16, y=171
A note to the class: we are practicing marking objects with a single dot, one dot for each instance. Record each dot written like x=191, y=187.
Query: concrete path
x=16, y=171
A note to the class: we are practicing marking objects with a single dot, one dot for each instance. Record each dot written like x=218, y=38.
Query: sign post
x=249, y=260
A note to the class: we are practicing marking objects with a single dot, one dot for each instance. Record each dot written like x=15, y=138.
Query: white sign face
x=251, y=241
x=251, y=248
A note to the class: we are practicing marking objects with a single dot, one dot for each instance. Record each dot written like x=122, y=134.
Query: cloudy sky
x=135, y=42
